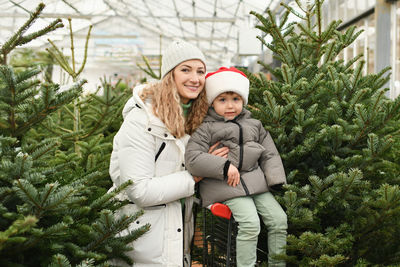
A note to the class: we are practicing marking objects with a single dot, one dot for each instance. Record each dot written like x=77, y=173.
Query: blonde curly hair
x=167, y=106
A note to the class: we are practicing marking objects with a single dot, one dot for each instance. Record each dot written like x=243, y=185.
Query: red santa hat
x=227, y=80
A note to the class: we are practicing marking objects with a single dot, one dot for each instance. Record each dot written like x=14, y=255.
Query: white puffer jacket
x=146, y=153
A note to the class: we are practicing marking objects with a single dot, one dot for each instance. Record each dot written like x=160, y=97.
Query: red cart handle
x=221, y=210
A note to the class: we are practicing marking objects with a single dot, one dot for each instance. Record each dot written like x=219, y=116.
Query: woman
x=149, y=150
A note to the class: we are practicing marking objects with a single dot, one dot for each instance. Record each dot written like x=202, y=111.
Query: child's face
x=228, y=105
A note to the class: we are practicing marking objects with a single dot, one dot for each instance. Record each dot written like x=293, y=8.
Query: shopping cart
x=219, y=231
x=215, y=238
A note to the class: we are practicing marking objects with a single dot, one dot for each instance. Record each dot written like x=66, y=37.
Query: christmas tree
x=54, y=208
x=336, y=132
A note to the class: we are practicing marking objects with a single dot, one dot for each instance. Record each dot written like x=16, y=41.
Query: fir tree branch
x=352, y=61
x=355, y=174
x=13, y=41
x=17, y=39
x=60, y=58
x=21, y=184
x=287, y=77
x=49, y=190
x=294, y=12
x=360, y=136
x=98, y=123
x=301, y=49
x=21, y=170
x=60, y=260
x=378, y=99
x=314, y=83
x=85, y=53
x=308, y=20
x=308, y=33
x=70, y=193
x=284, y=19
x=53, y=126
x=394, y=111
x=42, y=114
x=346, y=81
x=293, y=54
x=372, y=139
x=361, y=112
x=71, y=37
x=318, y=12
x=7, y=75
x=149, y=70
x=382, y=215
x=332, y=73
x=275, y=73
x=326, y=35
x=51, y=27
x=358, y=72
x=273, y=28
x=43, y=152
x=69, y=111
x=105, y=235
x=18, y=227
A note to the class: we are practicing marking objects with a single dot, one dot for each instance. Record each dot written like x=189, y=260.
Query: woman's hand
x=220, y=152
x=197, y=179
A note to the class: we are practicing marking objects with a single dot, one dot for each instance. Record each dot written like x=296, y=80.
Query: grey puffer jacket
x=251, y=150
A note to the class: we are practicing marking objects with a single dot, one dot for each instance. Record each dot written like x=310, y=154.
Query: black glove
x=277, y=187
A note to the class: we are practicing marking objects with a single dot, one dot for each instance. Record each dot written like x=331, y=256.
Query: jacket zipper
x=160, y=150
x=244, y=186
x=241, y=156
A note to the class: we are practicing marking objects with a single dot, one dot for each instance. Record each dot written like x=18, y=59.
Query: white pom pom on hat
x=177, y=52
x=227, y=80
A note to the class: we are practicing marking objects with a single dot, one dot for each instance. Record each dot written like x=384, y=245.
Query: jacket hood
x=134, y=101
x=213, y=116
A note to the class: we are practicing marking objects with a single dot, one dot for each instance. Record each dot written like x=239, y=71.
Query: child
x=241, y=181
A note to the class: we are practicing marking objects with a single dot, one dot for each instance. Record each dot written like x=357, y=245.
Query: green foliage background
x=338, y=135
x=55, y=148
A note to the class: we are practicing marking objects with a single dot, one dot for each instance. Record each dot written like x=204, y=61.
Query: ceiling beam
x=52, y=15
x=222, y=39
x=71, y=6
x=209, y=19
x=68, y=15
x=105, y=36
x=179, y=18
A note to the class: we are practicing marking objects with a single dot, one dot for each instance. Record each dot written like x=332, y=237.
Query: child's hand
x=233, y=176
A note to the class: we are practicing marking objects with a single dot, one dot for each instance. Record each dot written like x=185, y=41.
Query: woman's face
x=189, y=77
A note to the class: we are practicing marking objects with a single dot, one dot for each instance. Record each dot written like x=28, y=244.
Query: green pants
x=245, y=210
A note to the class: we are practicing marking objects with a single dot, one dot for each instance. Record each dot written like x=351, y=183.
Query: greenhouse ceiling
x=125, y=30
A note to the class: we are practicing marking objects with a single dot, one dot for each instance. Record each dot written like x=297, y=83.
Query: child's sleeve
x=270, y=161
x=197, y=159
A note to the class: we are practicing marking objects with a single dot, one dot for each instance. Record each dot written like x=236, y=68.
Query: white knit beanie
x=227, y=80
x=177, y=52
